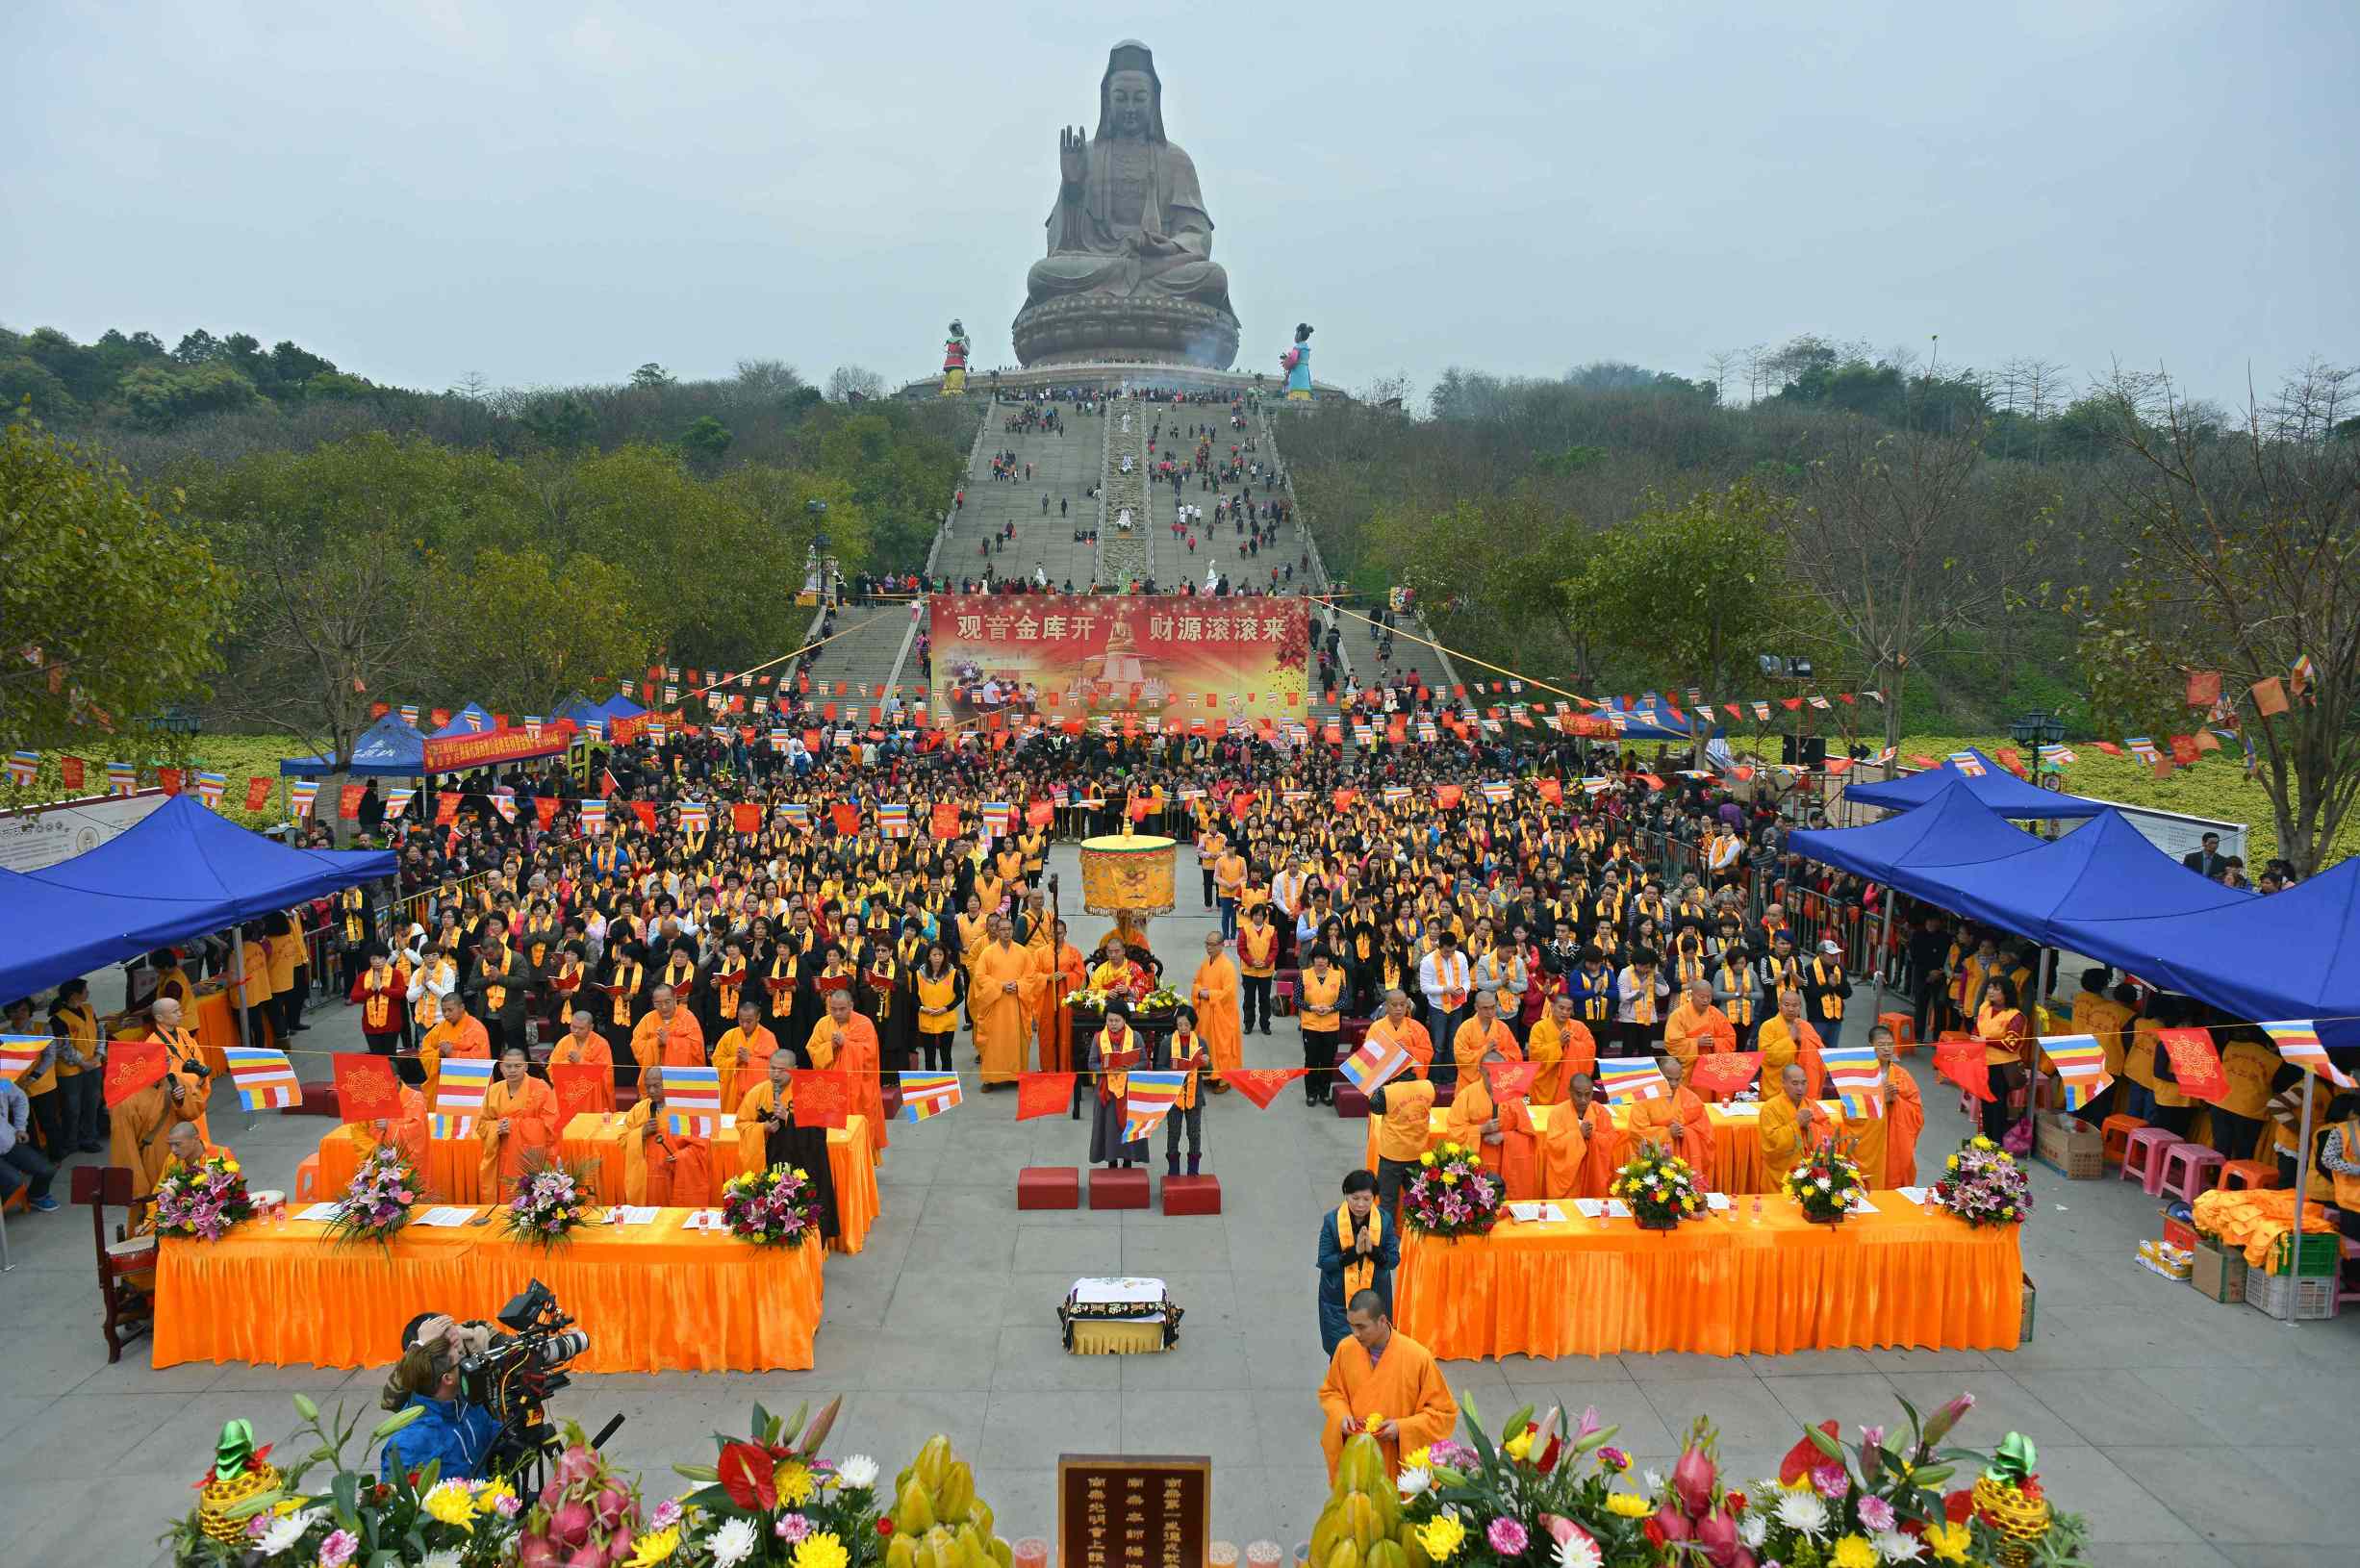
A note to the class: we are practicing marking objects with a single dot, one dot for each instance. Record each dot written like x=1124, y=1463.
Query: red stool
x=2115, y=1130
x=2189, y=1169
x=1191, y=1195
x=2248, y=1174
x=1049, y=1186
x=2142, y=1157
x=1350, y=1104
x=1124, y=1188
x=1904, y=1026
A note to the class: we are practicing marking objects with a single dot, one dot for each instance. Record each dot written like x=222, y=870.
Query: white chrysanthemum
x=857, y=1470
x=448, y=1558
x=1654, y=1483
x=732, y=1544
x=1579, y=1550
x=1805, y=1510
x=287, y=1529
x=1753, y=1529
x=1824, y=1184
x=1413, y=1481
x=1895, y=1547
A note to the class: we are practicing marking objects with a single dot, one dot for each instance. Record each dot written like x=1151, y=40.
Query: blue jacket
x=459, y=1435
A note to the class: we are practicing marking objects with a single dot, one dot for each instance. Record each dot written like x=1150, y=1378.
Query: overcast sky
x=547, y=190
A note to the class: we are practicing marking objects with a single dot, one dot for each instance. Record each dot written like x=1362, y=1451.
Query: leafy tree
x=25, y=381
x=540, y=631
x=706, y=440
x=112, y=602
x=561, y=422
x=651, y=374
x=156, y=395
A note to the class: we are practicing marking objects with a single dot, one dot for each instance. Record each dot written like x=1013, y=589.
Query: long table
x=654, y=1297
x=1903, y=1276
x=1736, y=1141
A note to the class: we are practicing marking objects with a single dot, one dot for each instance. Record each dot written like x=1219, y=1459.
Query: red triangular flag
x=745, y=817
x=131, y=1065
x=645, y=811
x=1722, y=1072
x=1961, y=1061
x=2195, y=1066
x=821, y=1099
x=845, y=816
x=366, y=1088
x=1045, y=1094
x=1262, y=1084
x=1510, y=1079
x=581, y=1087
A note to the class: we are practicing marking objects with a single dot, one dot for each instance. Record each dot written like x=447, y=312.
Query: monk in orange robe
x=519, y=1125
x=1055, y=973
x=1483, y=1034
x=1695, y=1026
x=1563, y=1046
x=140, y=1128
x=1602, y=1141
x=1793, y=1125
x=1790, y=1037
x=995, y=1000
x=661, y=1167
x=1386, y=1378
x=407, y=1134
x=583, y=1046
x=1499, y=1122
x=457, y=1035
x=1213, y=994
x=1675, y=1122
x=1886, y=1146
x=741, y=1054
x=670, y=1034
x=844, y=1041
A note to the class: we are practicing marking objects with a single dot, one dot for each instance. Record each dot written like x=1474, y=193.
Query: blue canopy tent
x=1996, y=787
x=49, y=934
x=473, y=719
x=1914, y=850
x=620, y=706
x=183, y=856
x=2104, y=870
x=388, y=749
x=1650, y=719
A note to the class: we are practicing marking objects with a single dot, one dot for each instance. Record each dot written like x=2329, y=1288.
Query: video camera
x=514, y=1379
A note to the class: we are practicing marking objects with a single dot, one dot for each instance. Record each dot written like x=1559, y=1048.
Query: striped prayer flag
x=2142, y=746
x=1967, y=764
x=24, y=767
x=1629, y=1080
x=1762, y=713
x=1499, y=794
x=594, y=817
x=798, y=815
x=2304, y=671
x=671, y=695
x=408, y=714
x=695, y=816
x=209, y=788
x=1396, y=793
x=532, y=727
x=1852, y=1072
x=1147, y=1101
x=1427, y=731
x=300, y=795
x=693, y=1100
x=504, y=801
x=450, y=1127
x=122, y=777
x=2297, y=1041
x=1887, y=755
x=1376, y=1063
x=266, y=1079
x=1817, y=700
x=2080, y=1062
x=2058, y=754
x=893, y=819
x=997, y=816
x=778, y=738
x=20, y=1051
x=397, y=801
x=656, y=731
x=928, y=1094
x=460, y=1085
x=1364, y=735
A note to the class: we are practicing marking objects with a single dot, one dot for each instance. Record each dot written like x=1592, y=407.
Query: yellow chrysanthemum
x=1439, y=1535
x=491, y=1493
x=793, y=1479
x=229, y=1165
x=1628, y=1506
x=1948, y=1542
x=821, y=1551
x=1952, y=1163
x=1852, y=1552
x=655, y=1546
x=1520, y=1445
x=449, y=1502
x=1418, y=1458
x=1427, y=1158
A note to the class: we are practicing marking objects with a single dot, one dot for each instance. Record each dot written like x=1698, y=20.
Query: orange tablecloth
x=1736, y=1143
x=454, y=1166
x=1903, y=1277
x=213, y=1021
x=654, y=1297
x=593, y=1136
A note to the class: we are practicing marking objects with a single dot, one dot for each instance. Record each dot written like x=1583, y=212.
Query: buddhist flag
x=1967, y=764
x=1852, y=1072
x=2299, y=1042
x=408, y=714
x=692, y=1101
x=695, y=816
x=266, y=1079
x=798, y=815
x=24, y=767
x=1376, y=1063
x=20, y=1051
x=1722, y=1072
x=778, y=738
x=997, y=816
x=2142, y=747
x=397, y=801
x=1396, y=793
x=594, y=817
x=209, y=789
x=366, y=1088
x=459, y=1092
x=1762, y=713
x=655, y=732
x=504, y=801
x=122, y=777
x=532, y=727
x=1262, y=1084
x=1499, y=794
x=133, y=1065
x=300, y=795
x=822, y=1098
x=1147, y=1098
x=928, y=1094
x=893, y=819
x=1043, y=1094
x=448, y=1127
x=1628, y=1080
x=1427, y=731
x=2056, y=757
x=2080, y=1062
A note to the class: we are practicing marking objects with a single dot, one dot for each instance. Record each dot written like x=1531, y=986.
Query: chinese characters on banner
x=1129, y=1512
x=1075, y=656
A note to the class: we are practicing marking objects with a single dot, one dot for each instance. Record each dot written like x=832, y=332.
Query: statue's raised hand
x=1073, y=154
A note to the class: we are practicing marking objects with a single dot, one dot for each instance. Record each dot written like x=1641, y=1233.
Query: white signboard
x=37, y=837
x=2179, y=835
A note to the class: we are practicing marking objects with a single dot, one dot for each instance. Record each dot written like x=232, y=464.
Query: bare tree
x=852, y=383
x=1720, y=365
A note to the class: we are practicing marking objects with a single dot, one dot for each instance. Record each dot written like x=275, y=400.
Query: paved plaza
x=2191, y=1433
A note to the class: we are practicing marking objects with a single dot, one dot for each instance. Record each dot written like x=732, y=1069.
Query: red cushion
x=1049, y=1186
x=1354, y=1032
x=318, y=1100
x=1119, y=1189
x=1349, y=1102
x=1192, y=1195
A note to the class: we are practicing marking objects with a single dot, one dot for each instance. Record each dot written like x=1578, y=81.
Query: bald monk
x=1395, y=1026
x=1499, y=1122
x=1562, y=1044
x=140, y=1127
x=183, y=1148
x=668, y=1035
x=1602, y=1141
x=996, y=998
x=407, y=1134
x=1055, y=972
x=517, y=1126
x=1386, y=1380
x=1675, y=1122
x=1213, y=994
x=742, y=1052
x=457, y=1035
x=583, y=1046
x=1696, y=1026
x=1789, y=1037
x=661, y=1167
x=1793, y=1125
x=1483, y=1034
x=1886, y=1146
x=844, y=1041
x=767, y=1136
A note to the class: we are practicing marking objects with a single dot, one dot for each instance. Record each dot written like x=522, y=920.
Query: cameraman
x=427, y=1375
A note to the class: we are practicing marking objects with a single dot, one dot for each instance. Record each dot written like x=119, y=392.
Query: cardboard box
x=2218, y=1275
x=2070, y=1146
x=2032, y=1302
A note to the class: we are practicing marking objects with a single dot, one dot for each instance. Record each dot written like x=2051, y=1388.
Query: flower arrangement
x=1452, y=1194
x=203, y=1200
x=377, y=1202
x=1162, y=999
x=352, y=1518
x=770, y=1207
x=588, y=1512
x=1544, y=1495
x=552, y=1200
x=1660, y=1188
x=1983, y=1185
x=1090, y=1000
x=1822, y=1184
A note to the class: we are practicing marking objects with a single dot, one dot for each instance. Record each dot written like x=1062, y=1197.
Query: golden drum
x=1123, y=875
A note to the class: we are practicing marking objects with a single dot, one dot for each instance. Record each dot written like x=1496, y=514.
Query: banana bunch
x=1362, y=1526
x=938, y=1522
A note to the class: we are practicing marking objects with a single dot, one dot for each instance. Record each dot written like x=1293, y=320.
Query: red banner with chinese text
x=1068, y=656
